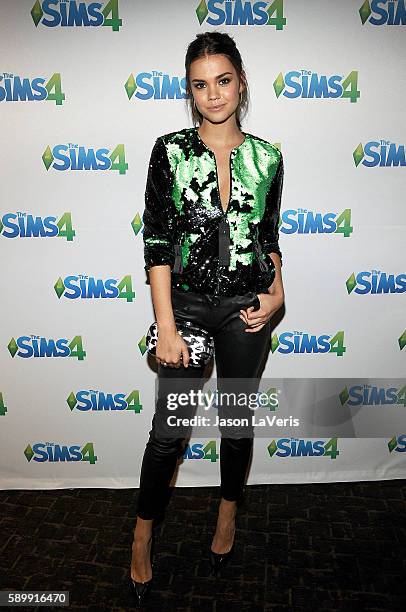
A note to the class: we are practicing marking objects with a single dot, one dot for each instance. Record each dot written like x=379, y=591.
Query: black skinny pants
x=238, y=354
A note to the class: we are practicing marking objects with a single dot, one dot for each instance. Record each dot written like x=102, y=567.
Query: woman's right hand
x=171, y=349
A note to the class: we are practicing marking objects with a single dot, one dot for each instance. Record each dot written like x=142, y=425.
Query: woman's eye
x=226, y=80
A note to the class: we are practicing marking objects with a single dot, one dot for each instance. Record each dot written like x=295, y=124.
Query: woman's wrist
x=166, y=326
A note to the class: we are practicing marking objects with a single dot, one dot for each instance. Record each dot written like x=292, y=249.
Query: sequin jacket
x=209, y=250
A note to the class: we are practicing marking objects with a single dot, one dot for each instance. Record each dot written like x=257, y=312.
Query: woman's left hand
x=269, y=304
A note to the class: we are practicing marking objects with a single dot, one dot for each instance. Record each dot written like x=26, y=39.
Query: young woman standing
x=214, y=192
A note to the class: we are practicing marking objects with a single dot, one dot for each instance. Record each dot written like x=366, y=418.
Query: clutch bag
x=199, y=341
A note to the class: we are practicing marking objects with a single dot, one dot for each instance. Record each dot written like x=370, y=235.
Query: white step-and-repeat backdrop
x=85, y=89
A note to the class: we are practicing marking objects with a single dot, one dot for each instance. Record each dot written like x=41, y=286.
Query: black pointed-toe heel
x=220, y=560
x=140, y=590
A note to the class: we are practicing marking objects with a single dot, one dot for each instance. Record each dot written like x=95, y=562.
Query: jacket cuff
x=272, y=247
x=158, y=256
x=157, y=252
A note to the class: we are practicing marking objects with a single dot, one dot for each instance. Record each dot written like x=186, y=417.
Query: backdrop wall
x=85, y=89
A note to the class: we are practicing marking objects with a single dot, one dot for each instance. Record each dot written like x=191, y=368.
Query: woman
x=212, y=204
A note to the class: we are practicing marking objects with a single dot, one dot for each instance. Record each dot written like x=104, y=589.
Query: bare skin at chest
x=222, y=155
x=224, y=175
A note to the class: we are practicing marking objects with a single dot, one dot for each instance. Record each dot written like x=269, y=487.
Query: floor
x=324, y=547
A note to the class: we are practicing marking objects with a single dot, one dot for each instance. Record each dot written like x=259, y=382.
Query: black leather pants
x=238, y=355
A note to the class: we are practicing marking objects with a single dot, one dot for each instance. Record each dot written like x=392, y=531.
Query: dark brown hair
x=211, y=43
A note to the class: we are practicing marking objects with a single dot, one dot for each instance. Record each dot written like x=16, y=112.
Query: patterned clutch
x=199, y=341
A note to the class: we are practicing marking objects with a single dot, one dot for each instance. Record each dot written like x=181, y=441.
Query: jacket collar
x=204, y=147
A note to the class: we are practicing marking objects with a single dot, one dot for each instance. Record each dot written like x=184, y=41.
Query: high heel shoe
x=219, y=560
x=140, y=590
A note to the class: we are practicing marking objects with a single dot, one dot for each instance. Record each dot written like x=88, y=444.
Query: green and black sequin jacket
x=209, y=250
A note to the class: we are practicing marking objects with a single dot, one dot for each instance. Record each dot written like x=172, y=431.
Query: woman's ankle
x=142, y=538
x=227, y=509
x=143, y=530
x=140, y=551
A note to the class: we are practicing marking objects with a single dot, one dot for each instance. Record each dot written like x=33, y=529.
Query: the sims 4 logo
x=21, y=224
x=75, y=13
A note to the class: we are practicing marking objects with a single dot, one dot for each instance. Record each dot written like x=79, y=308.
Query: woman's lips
x=216, y=108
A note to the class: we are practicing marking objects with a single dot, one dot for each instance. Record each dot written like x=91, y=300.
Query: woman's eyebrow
x=217, y=77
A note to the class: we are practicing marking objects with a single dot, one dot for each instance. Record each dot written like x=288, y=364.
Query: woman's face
x=215, y=87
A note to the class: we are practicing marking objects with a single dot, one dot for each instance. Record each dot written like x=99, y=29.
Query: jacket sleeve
x=268, y=230
x=159, y=212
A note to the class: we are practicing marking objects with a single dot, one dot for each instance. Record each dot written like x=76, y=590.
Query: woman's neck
x=218, y=136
